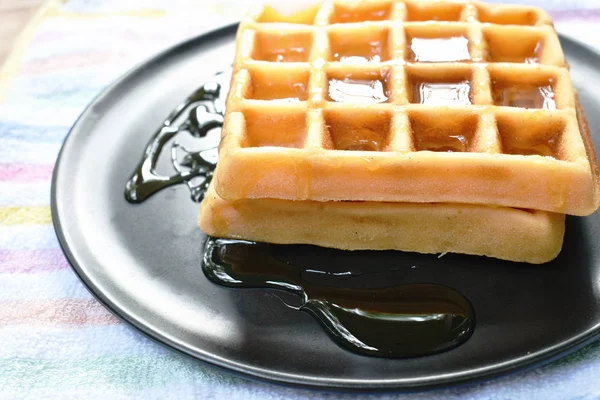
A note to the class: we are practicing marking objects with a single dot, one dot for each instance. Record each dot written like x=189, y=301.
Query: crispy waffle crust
x=406, y=101
x=500, y=232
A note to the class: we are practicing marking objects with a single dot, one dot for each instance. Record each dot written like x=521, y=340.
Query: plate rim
x=158, y=335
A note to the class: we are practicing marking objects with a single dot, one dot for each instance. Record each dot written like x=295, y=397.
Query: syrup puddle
x=406, y=320
x=358, y=91
x=452, y=143
x=526, y=97
x=361, y=52
x=290, y=93
x=400, y=321
x=293, y=54
x=356, y=59
x=442, y=93
x=440, y=49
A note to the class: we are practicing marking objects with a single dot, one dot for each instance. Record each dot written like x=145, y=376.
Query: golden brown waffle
x=506, y=233
x=406, y=101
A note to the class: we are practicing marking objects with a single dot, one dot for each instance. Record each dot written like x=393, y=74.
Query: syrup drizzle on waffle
x=388, y=86
x=200, y=113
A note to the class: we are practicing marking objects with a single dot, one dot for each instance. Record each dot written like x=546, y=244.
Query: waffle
x=406, y=101
x=500, y=232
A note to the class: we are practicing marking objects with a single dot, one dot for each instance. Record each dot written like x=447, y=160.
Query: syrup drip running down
x=400, y=321
x=406, y=320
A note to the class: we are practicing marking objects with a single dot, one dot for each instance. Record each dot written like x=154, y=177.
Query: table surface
x=56, y=341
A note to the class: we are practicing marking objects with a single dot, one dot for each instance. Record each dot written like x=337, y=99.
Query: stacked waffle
x=426, y=126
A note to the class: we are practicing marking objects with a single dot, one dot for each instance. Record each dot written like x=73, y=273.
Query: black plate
x=143, y=261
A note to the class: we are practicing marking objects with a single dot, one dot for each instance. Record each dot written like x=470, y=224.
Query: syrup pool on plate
x=405, y=320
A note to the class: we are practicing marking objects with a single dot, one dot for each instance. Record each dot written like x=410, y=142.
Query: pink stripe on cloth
x=74, y=312
x=25, y=172
x=30, y=261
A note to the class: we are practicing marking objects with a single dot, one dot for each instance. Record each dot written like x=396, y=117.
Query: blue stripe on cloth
x=28, y=237
x=22, y=152
x=32, y=133
x=44, y=285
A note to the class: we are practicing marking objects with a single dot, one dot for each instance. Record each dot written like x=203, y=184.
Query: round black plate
x=143, y=261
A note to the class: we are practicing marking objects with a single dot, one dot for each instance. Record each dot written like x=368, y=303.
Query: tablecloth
x=56, y=341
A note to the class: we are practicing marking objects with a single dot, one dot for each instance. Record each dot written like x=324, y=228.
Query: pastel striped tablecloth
x=56, y=341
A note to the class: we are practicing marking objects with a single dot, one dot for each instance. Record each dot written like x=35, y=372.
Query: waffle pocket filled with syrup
x=432, y=102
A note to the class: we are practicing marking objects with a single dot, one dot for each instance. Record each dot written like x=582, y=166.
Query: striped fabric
x=56, y=342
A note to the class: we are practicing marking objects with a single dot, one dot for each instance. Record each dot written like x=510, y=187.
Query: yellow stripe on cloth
x=34, y=215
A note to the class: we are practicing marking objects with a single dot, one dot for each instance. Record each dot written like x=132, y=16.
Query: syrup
x=290, y=129
x=356, y=59
x=201, y=112
x=439, y=12
x=305, y=17
x=364, y=143
x=367, y=133
x=527, y=139
x=406, y=320
x=540, y=149
x=349, y=15
x=449, y=49
x=515, y=58
x=527, y=53
x=531, y=60
x=440, y=93
x=451, y=143
x=292, y=92
x=370, y=51
x=275, y=47
x=286, y=54
x=359, y=91
x=532, y=147
x=525, y=96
